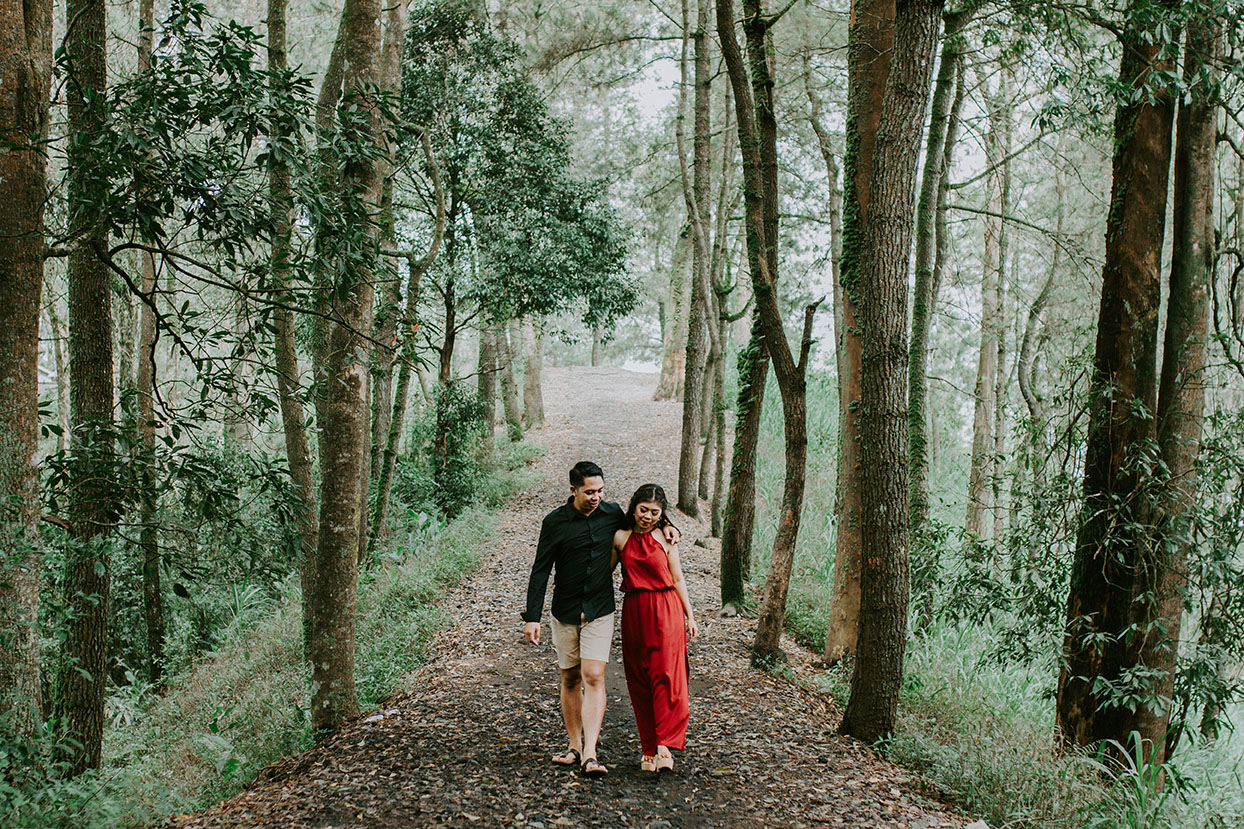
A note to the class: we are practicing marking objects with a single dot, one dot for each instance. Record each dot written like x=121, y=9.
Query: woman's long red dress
x=654, y=644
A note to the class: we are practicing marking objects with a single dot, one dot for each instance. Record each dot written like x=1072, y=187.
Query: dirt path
x=469, y=741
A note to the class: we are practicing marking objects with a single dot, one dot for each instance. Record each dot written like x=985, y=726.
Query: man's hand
x=672, y=535
x=531, y=632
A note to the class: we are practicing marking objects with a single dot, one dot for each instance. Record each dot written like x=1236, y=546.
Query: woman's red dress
x=654, y=644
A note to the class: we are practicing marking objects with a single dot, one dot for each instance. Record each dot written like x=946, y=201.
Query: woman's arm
x=619, y=541
x=680, y=585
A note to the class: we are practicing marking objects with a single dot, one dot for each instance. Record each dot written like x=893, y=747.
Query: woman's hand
x=693, y=629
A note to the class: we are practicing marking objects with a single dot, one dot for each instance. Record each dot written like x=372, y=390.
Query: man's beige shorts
x=582, y=641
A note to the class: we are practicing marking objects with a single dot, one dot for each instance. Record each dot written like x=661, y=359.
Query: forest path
x=468, y=742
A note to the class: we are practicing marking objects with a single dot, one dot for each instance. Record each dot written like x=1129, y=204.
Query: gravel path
x=468, y=742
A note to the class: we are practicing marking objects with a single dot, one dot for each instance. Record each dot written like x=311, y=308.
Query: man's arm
x=537, y=584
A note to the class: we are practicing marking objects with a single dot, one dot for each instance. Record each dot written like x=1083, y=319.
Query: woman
x=656, y=619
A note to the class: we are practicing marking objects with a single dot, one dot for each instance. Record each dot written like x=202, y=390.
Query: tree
x=1103, y=686
x=884, y=246
x=330, y=607
x=25, y=78
x=93, y=502
x=869, y=53
x=757, y=129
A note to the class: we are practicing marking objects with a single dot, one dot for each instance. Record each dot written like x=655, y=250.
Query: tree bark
x=509, y=387
x=1181, y=394
x=92, y=505
x=533, y=392
x=869, y=47
x=757, y=129
x=924, y=300
x=881, y=280
x=288, y=374
x=486, y=385
x=25, y=75
x=345, y=427
x=1112, y=544
x=669, y=386
x=696, y=196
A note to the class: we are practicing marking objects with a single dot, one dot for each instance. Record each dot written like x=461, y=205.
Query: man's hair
x=583, y=470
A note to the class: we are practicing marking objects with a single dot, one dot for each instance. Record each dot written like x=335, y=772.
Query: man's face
x=588, y=497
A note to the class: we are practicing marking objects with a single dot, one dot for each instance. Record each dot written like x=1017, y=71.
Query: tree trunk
x=669, y=386
x=598, y=345
x=869, y=48
x=696, y=196
x=924, y=300
x=25, y=75
x=533, y=392
x=881, y=280
x=1113, y=549
x=288, y=374
x=509, y=387
x=979, y=490
x=332, y=605
x=1181, y=395
x=486, y=385
x=92, y=511
x=757, y=128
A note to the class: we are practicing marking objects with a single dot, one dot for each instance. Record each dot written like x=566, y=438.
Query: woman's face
x=647, y=514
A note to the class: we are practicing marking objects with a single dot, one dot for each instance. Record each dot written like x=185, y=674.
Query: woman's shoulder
x=620, y=537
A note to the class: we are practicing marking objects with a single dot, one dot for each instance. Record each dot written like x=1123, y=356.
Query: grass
x=245, y=705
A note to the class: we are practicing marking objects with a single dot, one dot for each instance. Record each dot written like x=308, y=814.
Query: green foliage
x=546, y=240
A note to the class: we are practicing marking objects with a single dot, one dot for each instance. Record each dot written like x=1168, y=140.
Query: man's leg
x=593, y=715
x=572, y=706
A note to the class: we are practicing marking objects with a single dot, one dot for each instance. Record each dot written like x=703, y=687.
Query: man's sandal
x=594, y=768
x=569, y=757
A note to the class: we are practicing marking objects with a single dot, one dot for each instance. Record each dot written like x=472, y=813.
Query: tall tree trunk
x=1113, y=550
x=979, y=490
x=881, y=279
x=869, y=47
x=696, y=196
x=345, y=427
x=25, y=75
x=924, y=299
x=1181, y=395
x=288, y=374
x=598, y=345
x=533, y=392
x=757, y=127
x=149, y=541
x=509, y=387
x=92, y=505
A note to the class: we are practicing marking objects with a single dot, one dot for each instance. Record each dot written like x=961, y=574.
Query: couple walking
x=584, y=540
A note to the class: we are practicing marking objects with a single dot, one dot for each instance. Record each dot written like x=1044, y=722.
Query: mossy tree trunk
x=25, y=75
x=869, y=54
x=881, y=282
x=345, y=425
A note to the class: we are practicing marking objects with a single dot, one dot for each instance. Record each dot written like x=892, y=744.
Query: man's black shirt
x=580, y=547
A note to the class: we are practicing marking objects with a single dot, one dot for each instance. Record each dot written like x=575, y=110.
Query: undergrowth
x=245, y=705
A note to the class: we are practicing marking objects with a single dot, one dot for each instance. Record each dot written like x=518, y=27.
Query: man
x=577, y=540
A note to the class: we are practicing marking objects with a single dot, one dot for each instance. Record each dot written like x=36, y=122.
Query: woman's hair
x=648, y=493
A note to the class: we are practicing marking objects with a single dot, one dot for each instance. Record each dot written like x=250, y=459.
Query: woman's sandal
x=569, y=757
x=648, y=763
x=665, y=762
x=594, y=768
